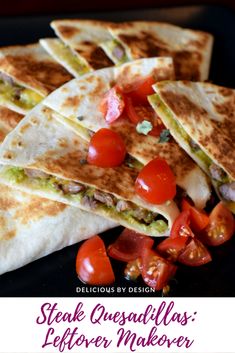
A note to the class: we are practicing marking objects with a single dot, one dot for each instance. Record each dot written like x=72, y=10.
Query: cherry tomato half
x=171, y=248
x=141, y=90
x=129, y=246
x=194, y=254
x=92, y=263
x=106, y=149
x=198, y=219
x=112, y=104
x=220, y=227
x=156, y=271
x=156, y=182
x=181, y=226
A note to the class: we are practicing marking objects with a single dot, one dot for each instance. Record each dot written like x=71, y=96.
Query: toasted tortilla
x=203, y=113
x=32, y=227
x=84, y=38
x=78, y=102
x=42, y=143
x=32, y=73
x=190, y=49
x=126, y=41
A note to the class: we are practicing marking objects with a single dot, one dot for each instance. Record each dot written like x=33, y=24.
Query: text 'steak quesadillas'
x=99, y=42
x=27, y=75
x=79, y=103
x=32, y=227
x=44, y=158
x=201, y=118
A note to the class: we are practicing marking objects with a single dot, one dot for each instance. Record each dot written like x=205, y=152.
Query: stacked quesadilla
x=91, y=45
x=27, y=75
x=78, y=102
x=201, y=118
x=33, y=227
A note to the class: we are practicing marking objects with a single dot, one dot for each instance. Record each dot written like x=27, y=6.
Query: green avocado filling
x=65, y=54
x=145, y=220
x=115, y=51
x=23, y=98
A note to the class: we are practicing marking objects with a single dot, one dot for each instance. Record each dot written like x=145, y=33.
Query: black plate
x=55, y=275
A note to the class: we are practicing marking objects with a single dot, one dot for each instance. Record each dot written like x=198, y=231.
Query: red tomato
x=106, y=149
x=112, y=104
x=156, y=182
x=156, y=131
x=129, y=246
x=137, y=113
x=133, y=269
x=156, y=271
x=142, y=90
x=92, y=263
x=181, y=226
x=194, y=254
x=220, y=227
x=198, y=219
x=171, y=248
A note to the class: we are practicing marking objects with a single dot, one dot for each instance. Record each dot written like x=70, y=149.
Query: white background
x=212, y=331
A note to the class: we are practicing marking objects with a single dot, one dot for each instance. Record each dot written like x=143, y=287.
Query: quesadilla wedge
x=84, y=37
x=201, y=118
x=78, y=102
x=42, y=157
x=127, y=41
x=33, y=227
x=27, y=74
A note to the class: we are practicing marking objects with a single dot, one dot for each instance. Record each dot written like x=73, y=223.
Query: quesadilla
x=78, y=102
x=42, y=157
x=122, y=42
x=33, y=227
x=27, y=74
x=201, y=118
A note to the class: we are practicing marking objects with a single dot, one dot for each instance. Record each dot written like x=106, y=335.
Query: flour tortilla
x=29, y=67
x=84, y=38
x=41, y=142
x=78, y=102
x=32, y=227
x=206, y=113
x=190, y=49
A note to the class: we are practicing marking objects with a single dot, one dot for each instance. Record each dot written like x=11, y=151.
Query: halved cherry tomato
x=141, y=90
x=198, y=219
x=171, y=248
x=112, y=104
x=156, y=182
x=106, y=149
x=92, y=263
x=129, y=246
x=137, y=112
x=220, y=227
x=156, y=271
x=181, y=226
x=194, y=254
x=133, y=269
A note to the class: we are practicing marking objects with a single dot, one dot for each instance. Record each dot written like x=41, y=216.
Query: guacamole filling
x=20, y=96
x=66, y=55
x=222, y=182
x=90, y=197
x=116, y=52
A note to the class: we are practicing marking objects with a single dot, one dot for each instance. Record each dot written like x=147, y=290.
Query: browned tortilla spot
x=10, y=234
x=7, y=204
x=182, y=105
x=24, y=128
x=37, y=209
x=68, y=31
x=71, y=101
x=95, y=56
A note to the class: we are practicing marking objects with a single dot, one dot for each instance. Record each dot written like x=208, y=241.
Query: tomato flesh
x=171, y=248
x=156, y=271
x=198, y=219
x=156, y=182
x=106, y=149
x=92, y=263
x=181, y=226
x=129, y=246
x=112, y=104
x=194, y=254
x=142, y=90
x=220, y=227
